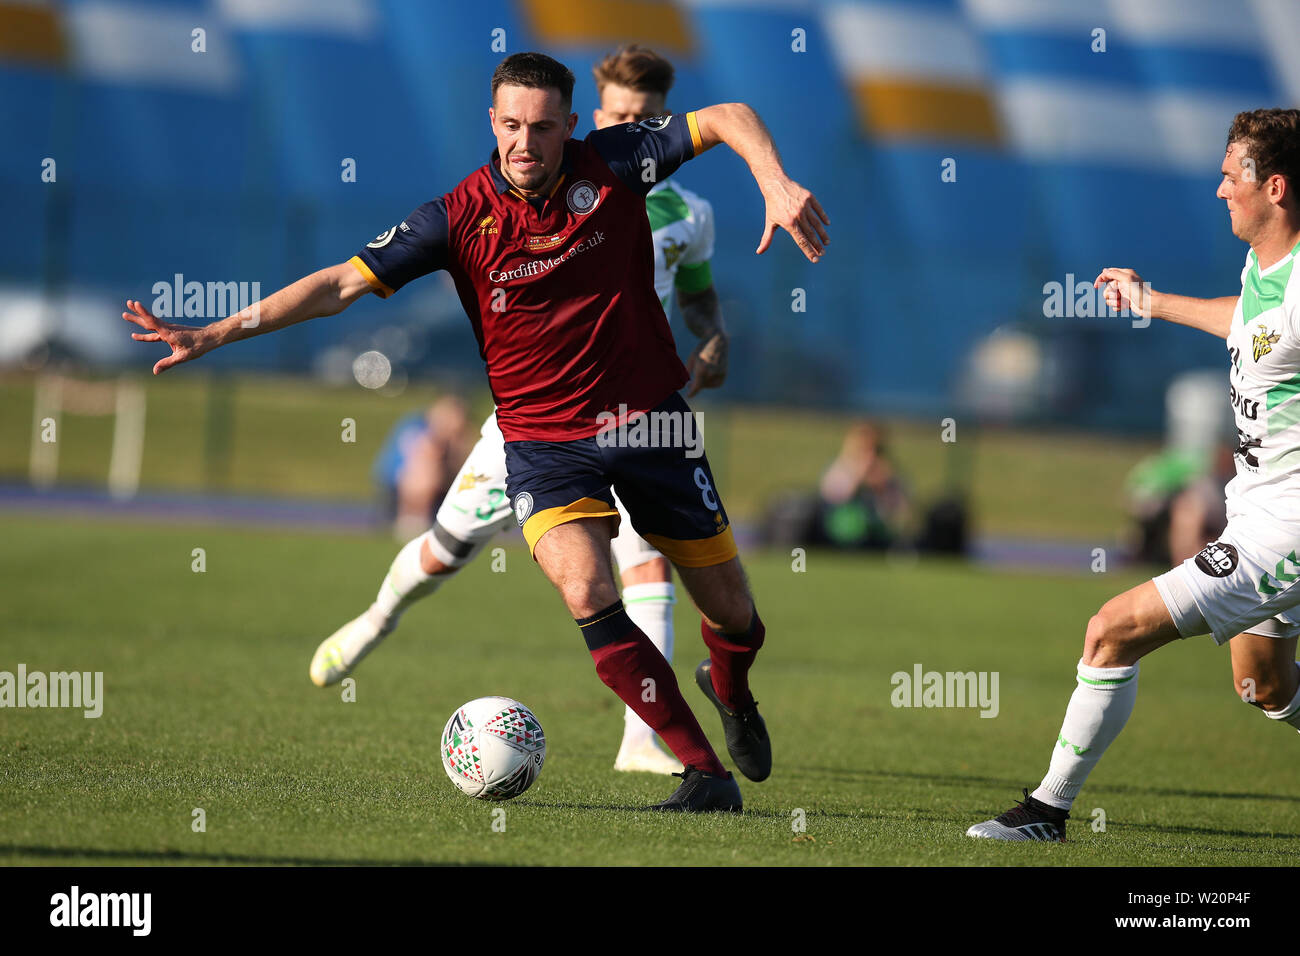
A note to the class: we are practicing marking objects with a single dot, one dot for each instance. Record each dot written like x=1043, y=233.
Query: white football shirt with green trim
x=681, y=226
x=1264, y=347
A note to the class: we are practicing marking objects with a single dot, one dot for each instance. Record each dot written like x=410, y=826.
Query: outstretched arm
x=1126, y=290
x=789, y=205
x=326, y=292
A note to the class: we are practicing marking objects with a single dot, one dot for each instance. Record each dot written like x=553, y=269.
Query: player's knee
x=1094, y=639
x=432, y=565
x=1104, y=641
x=654, y=571
x=586, y=598
x=1247, y=689
x=1262, y=691
x=733, y=616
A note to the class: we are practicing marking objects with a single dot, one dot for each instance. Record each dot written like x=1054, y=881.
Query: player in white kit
x=633, y=84
x=1241, y=589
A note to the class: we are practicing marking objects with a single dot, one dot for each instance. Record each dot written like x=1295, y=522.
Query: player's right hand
x=797, y=211
x=187, y=342
x=1125, y=290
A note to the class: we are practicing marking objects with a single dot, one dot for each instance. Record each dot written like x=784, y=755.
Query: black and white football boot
x=1029, y=819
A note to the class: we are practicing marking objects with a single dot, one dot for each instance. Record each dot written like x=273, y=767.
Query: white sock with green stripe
x=1099, y=709
x=650, y=606
x=405, y=583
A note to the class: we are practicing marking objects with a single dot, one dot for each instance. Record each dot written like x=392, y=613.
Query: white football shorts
x=476, y=506
x=1247, y=582
x=630, y=549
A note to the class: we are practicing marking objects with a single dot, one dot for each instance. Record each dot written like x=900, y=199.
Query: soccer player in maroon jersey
x=549, y=248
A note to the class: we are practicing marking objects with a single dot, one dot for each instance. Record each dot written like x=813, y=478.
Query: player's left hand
x=708, y=363
x=797, y=211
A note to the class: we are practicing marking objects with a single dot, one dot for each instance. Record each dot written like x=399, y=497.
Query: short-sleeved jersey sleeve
x=693, y=271
x=642, y=154
x=416, y=246
x=700, y=250
x=1291, y=305
x=1291, y=319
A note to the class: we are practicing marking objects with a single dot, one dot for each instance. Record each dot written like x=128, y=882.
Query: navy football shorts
x=654, y=460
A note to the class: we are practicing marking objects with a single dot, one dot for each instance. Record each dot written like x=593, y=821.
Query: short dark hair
x=535, y=71
x=1272, y=140
x=637, y=68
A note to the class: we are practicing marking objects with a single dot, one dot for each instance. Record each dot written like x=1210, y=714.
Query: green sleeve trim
x=692, y=279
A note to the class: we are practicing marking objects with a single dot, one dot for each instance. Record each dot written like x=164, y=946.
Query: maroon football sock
x=731, y=656
x=625, y=658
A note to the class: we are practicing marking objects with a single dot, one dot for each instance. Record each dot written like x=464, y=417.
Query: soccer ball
x=493, y=748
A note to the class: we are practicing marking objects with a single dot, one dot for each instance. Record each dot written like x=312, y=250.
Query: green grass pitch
x=207, y=705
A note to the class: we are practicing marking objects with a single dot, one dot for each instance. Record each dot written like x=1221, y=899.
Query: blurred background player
x=632, y=84
x=415, y=467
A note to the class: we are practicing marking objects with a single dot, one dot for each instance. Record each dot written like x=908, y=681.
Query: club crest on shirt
x=1263, y=343
x=672, y=252
x=523, y=507
x=1218, y=559
x=582, y=197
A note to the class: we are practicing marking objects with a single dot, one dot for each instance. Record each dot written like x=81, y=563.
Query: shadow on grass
x=1154, y=828
x=1211, y=831
x=176, y=856
x=844, y=773
x=673, y=814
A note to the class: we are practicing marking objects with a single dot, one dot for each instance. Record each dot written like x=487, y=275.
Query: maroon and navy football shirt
x=560, y=289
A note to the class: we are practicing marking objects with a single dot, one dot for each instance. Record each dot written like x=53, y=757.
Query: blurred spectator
x=863, y=504
x=419, y=461
x=1199, y=513
x=1175, y=497
x=860, y=502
